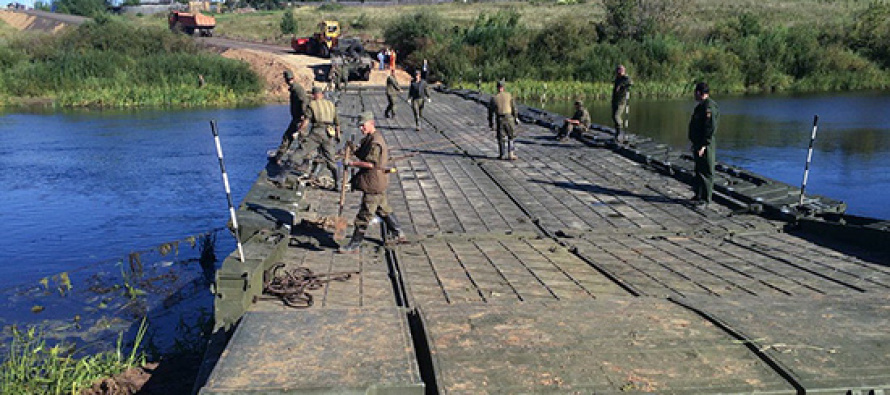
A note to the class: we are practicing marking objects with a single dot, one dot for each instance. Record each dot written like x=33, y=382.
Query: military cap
x=316, y=89
x=579, y=102
x=365, y=117
x=288, y=74
x=702, y=87
x=501, y=83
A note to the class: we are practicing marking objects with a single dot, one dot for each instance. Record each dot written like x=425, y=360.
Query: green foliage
x=330, y=7
x=288, y=23
x=109, y=63
x=870, y=34
x=32, y=366
x=87, y=8
x=414, y=32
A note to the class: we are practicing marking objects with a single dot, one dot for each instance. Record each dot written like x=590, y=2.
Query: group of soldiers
x=372, y=159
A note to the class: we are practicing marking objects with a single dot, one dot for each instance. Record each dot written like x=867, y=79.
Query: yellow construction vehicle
x=321, y=43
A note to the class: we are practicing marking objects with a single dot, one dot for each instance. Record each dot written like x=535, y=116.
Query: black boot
x=502, y=149
x=355, y=242
x=394, y=229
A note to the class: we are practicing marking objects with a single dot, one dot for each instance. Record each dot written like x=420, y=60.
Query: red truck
x=191, y=23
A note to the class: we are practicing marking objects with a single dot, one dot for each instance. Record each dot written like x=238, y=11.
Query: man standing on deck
x=325, y=130
x=416, y=93
x=578, y=123
x=502, y=109
x=298, y=102
x=701, y=134
x=372, y=159
x=620, y=94
x=392, y=90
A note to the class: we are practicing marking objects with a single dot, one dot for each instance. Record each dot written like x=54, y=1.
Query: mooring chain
x=292, y=286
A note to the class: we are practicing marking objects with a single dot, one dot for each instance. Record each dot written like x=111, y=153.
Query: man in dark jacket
x=417, y=92
x=702, y=126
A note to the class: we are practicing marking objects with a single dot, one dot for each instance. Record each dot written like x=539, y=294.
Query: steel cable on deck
x=292, y=286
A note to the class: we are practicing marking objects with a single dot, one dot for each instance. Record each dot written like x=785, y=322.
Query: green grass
x=110, y=63
x=31, y=366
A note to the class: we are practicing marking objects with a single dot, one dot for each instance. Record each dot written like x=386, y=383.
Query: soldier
x=372, y=179
x=578, y=123
x=298, y=102
x=701, y=134
x=325, y=130
x=620, y=94
x=416, y=92
x=504, y=108
x=392, y=89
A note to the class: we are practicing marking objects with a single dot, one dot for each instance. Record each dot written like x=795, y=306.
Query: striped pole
x=806, y=169
x=225, y=177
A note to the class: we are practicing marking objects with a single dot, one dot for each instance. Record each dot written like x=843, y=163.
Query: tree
x=87, y=8
x=288, y=23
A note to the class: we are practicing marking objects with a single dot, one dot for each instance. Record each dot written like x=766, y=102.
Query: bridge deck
x=572, y=269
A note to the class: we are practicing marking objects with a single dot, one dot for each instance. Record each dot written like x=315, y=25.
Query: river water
x=91, y=186
x=769, y=135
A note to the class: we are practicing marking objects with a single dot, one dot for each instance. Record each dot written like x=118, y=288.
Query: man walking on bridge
x=325, y=130
x=372, y=179
x=502, y=109
x=298, y=102
x=416, y=93
x=701, y=134
x=392, y=91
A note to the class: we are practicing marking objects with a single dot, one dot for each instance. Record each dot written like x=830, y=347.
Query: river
x=769, y=135
x=81, y=187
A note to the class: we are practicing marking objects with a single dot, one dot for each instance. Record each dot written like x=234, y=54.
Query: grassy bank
x=110, y=63
x=31, y=366
x=667, y=45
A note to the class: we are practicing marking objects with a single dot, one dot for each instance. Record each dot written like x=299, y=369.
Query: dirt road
x=270, y=61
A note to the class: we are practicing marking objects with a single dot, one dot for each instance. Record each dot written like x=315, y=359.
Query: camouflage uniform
x=392, y=90
x=701, y=134
x=620, y=90
x=582, y=116
x=298, y=102
x=373, y=183
x=323, y=115
x=502, y=109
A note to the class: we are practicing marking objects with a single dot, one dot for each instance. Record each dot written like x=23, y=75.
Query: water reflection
x=769, y=135
x=86, y=186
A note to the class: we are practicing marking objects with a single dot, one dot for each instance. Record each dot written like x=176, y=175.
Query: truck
x=322, y=43
x=192, y=23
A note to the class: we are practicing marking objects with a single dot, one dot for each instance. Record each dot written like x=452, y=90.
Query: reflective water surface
x=770, y=135
x=82, y=187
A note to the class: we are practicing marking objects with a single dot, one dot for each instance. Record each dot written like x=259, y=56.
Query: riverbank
x=108, y=63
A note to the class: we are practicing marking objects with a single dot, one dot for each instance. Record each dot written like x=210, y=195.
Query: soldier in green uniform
x=701, y=134
x=325, y=130
x=392, y=91
x=416, y=93
x=372, y=159
x=620, y=94
x=578, y=123
x=298, y=102
x=502, y=109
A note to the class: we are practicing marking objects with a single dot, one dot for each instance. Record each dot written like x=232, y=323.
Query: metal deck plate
x=613, y=346
x=343, y=351
x=828, y=345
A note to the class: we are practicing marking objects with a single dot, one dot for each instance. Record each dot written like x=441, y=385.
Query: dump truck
x=192, y=23
x=322, y=43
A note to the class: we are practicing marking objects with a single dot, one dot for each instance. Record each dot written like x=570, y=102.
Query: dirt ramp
x=29, y=22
